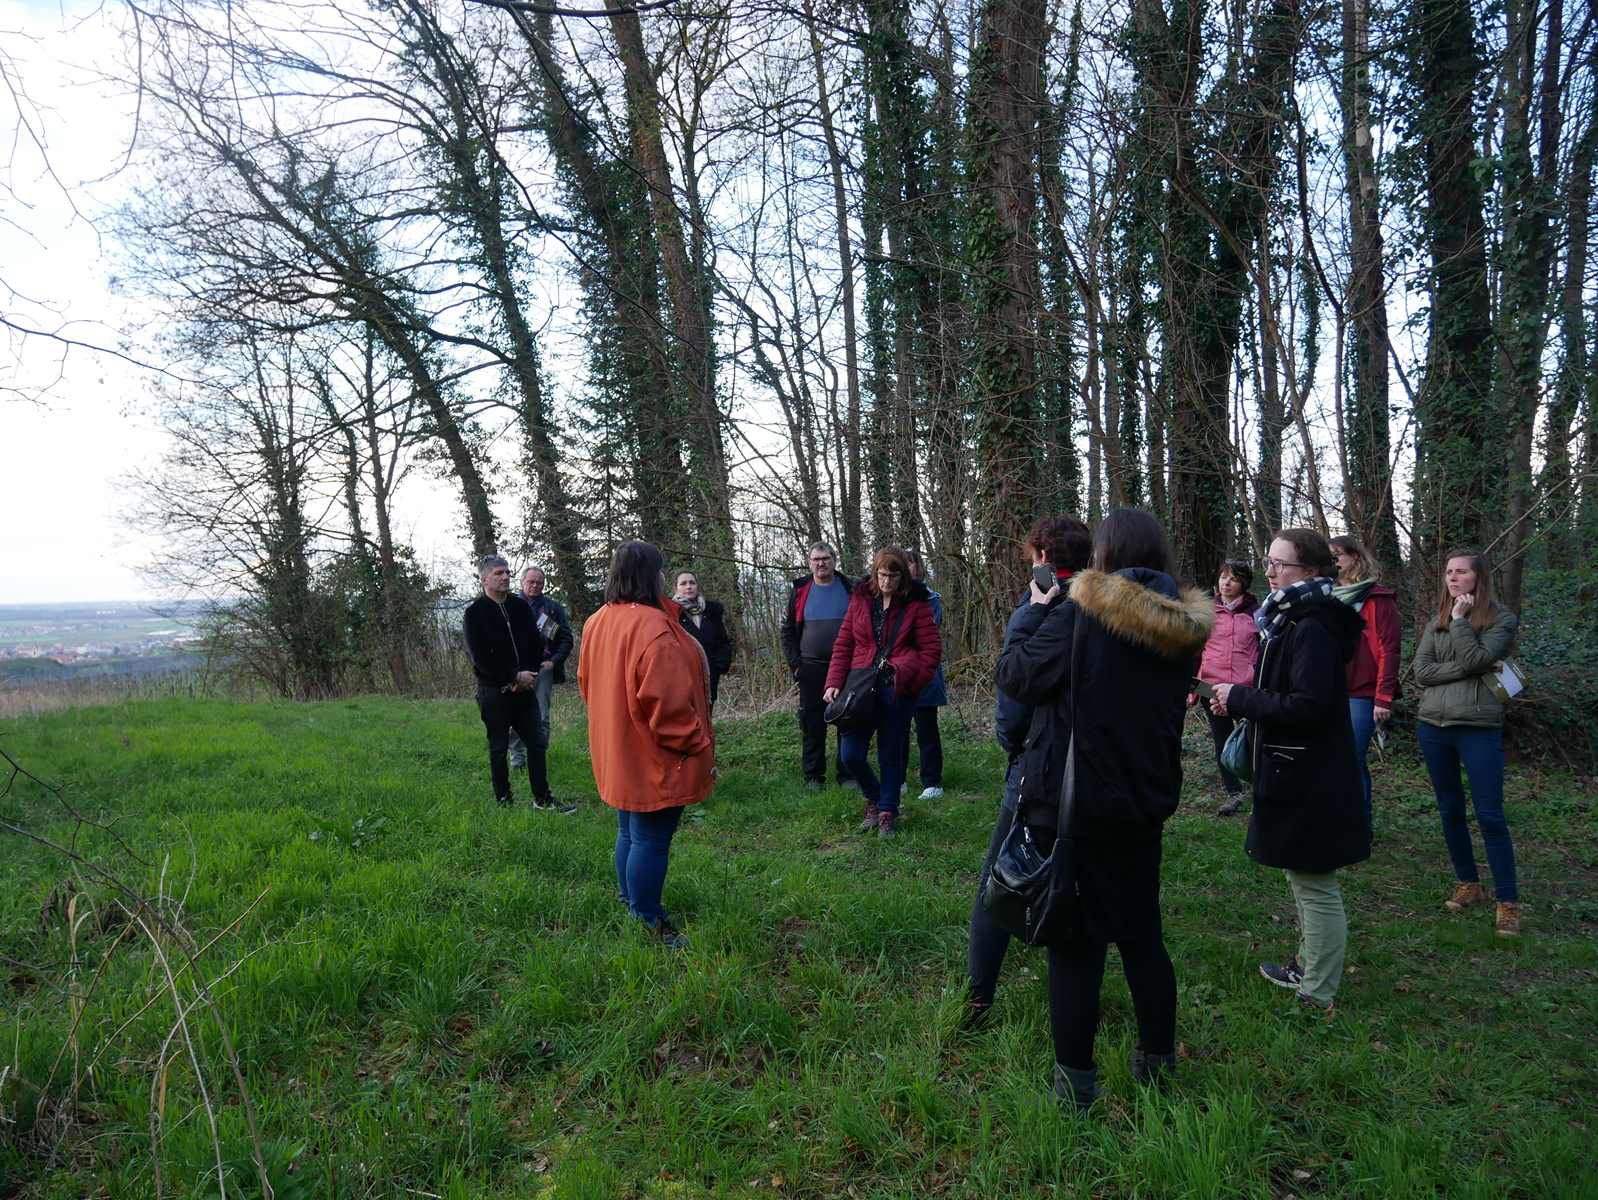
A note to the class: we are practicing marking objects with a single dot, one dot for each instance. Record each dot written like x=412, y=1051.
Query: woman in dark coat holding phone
x=1120, y=688
x=1309, y=814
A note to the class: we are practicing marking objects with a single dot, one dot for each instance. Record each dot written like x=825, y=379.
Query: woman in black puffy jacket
x=1121, y=691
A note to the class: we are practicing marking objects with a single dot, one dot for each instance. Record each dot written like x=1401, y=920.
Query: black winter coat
x=1140, y=637
x=711, y=633
x=501, y=639
x=1308, y=809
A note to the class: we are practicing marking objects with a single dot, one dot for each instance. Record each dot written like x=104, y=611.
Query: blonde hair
x=1367, y=568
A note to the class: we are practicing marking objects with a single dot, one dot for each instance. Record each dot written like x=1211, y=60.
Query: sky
x=68, y=444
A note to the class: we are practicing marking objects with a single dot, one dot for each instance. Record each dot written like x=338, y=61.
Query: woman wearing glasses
x=1307, y=811
x=888, y=622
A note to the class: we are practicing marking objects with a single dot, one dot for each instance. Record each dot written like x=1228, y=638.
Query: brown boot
x=868, y=821
x=1508, y=919
x=1466, y=895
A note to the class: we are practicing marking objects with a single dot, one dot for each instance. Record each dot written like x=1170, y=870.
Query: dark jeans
x=929, y=746
x=502, y=712
x=643, y=846
x=1363, y=715
x=1220, y=730
x=544, y=689
x=1481, y=752
x=813, y=724
x=989, y=940
x=1076, y=972
x=892, y=731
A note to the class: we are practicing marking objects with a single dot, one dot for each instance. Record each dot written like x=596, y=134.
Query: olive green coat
x=1452, y=665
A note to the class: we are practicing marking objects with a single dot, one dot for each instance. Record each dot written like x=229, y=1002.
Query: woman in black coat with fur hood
x=1309, y=814
x=1121, y=690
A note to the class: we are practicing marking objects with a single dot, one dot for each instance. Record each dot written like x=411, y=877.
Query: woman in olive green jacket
x=1462, y=725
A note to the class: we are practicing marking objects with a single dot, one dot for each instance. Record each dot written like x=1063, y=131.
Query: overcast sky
x=64, y=456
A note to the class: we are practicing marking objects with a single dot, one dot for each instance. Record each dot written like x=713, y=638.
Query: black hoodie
x=1308, y=806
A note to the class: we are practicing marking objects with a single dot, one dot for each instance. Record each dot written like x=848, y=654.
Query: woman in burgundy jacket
x=1229, y=657
x=1373, y=671
x=889, y=621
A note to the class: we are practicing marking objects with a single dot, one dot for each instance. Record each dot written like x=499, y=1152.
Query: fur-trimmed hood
x=1144, y=607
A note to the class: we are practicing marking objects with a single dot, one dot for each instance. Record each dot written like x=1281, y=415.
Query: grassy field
x=429, y=996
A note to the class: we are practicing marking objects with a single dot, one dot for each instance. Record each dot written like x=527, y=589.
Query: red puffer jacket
x=1373, y=671
x=1234, y=645
x=917, y=648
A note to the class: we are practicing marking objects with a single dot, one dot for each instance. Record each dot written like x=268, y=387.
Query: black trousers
x=1076, y=972
x=989, y=940
x=1220, y=730
x=502, y=712
x=929, y=744
x=813, y=724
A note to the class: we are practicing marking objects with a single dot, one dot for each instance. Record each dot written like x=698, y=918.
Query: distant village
x=72, y=634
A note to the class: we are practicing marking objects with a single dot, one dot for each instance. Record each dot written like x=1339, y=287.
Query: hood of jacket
x=809, y=578
x=1342, y=622
x=918, y=590
x=1145, y=607
x=1247, y=605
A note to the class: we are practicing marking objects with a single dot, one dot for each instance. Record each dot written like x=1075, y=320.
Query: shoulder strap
x=889, y=633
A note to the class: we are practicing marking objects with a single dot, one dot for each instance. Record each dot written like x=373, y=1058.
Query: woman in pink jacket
x=1229, y=657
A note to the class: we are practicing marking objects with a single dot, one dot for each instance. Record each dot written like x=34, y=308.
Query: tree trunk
x=1005, y=100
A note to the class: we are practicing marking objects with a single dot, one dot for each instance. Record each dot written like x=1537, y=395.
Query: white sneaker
x=931, y=793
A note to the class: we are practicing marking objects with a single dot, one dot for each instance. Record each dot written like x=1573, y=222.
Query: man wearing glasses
x=815, y=611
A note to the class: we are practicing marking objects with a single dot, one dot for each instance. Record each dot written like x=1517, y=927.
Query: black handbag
x=1030, y=892
x=855, y=705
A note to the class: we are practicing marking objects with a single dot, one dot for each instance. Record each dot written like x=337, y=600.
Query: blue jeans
x=1481, y=753
x=1363, y=714
x=643, y=844
x=892, y=731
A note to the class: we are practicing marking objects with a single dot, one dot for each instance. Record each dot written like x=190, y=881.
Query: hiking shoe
x=1154, y=1070
x=1075, y=1090
x=868, y=819
x=1466, y=895
x=976, y=1016
x=668, y=935
x=504, y=801
x=885, y=824
x=552, y=805
x=1283, y=975
x=931, y=793
x=1231, y=808
x=1508, y=919
x=1309, y=1004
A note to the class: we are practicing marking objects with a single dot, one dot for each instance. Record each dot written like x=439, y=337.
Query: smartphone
x=1043, y=575
x=1199, y=687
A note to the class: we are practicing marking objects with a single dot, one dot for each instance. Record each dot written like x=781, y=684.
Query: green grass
x=436, y=997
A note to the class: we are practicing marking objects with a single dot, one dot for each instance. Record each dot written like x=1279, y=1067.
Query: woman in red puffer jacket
x=1229, y=657
x=1373, y=671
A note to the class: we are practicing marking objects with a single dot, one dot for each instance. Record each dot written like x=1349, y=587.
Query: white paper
x=1510, y=680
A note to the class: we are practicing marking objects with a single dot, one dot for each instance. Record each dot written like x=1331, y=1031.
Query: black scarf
x=1277, y=610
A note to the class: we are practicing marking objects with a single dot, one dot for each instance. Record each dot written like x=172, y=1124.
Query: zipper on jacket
x=514, y=653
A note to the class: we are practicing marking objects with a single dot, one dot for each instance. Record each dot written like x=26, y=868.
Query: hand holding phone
x=1043, y=575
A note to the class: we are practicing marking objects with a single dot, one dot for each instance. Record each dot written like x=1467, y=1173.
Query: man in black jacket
x=809, y=627
x=557, y=635
x=506, y=650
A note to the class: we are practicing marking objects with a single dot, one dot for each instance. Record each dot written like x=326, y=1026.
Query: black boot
x=1075, y=1089
x=1155, y=1069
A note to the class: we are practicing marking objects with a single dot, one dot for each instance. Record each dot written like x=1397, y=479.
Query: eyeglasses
x=1274, y=564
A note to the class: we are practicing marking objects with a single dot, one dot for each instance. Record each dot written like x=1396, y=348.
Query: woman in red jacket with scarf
x=889, y=620
x=1373, y=672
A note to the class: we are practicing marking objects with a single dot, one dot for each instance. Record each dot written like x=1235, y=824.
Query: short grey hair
x=533, y=567
x=821, y=546
x=491, y=562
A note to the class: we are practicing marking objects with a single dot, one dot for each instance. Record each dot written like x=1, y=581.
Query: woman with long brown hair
x=1373, y=671
x=1461, y=725
x=888, y=625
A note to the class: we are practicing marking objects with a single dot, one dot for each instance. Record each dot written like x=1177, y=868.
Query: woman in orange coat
x=647, y=687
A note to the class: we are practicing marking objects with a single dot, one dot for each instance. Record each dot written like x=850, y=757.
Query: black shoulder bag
x=855, y=705
x=1030, y=893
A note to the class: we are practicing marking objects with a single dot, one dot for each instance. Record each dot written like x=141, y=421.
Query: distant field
x=122, y=629
x=433, y=997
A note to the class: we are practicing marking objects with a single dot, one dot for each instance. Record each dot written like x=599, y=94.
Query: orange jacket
x=646, y=684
